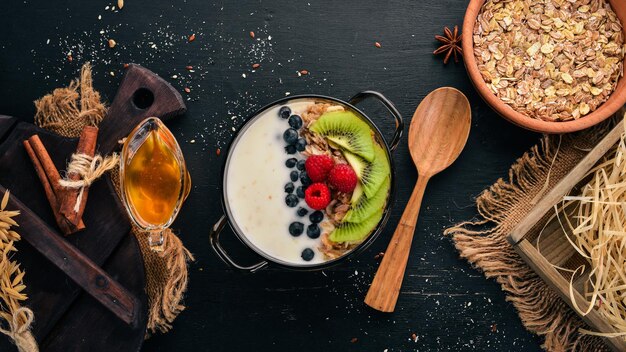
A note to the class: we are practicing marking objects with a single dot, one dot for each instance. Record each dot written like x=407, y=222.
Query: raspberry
x=318, y=167
x=317, y=196
x=343, y=178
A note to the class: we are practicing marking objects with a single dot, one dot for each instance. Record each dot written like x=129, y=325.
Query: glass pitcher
x=154, y=179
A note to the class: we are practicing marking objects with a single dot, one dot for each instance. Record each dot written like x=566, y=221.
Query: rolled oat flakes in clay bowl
x=551, y=66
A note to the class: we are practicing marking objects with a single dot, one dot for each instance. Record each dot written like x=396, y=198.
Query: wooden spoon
x=438, y=132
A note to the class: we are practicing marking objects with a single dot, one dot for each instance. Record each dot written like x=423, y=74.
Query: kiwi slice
x=371, y=174
x=347, y=130
x=366, y=207
x=353, y=232
x=357, y=194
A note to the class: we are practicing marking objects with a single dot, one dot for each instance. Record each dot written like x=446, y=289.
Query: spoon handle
x=383, y=292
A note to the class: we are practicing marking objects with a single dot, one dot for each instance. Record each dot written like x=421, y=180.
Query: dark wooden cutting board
x=66, y=318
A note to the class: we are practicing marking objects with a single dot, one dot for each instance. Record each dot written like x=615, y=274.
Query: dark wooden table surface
x=446, y=303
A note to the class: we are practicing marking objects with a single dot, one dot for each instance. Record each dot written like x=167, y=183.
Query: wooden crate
x=554, y=247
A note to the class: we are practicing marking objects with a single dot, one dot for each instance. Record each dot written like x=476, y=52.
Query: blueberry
x=302, y=212
x=290, y=149
x=284, y=112
x=291, y=162
x=300, y=164
x=295, y=121
x=304, y=179
x=308, y=254
x=294, y=176
x=290, y=136
x=296, y=229
x=291, y=200
x=313, y=231
x=301, y=144
x=300, y=192
x=289, y=187
x=316, y=217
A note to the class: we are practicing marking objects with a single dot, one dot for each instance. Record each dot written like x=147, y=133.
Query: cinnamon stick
x=49, y=177
x=86, y=145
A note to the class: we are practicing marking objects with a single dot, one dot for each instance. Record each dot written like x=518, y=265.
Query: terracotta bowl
x=615, y=101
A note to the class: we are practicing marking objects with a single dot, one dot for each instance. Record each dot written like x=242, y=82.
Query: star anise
x=451, y=44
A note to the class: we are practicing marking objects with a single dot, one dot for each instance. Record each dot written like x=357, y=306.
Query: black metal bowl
x=214, y=234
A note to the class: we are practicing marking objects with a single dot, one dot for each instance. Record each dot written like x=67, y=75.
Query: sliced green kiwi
x=353, y=232
x=347, y=130
x=357, y=194
x=366, y=207
x=371, y=174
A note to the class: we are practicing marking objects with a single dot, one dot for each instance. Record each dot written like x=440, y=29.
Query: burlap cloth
x=66, y=111
x=501, y=207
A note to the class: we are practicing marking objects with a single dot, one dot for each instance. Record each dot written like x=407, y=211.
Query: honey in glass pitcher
x=154, y=179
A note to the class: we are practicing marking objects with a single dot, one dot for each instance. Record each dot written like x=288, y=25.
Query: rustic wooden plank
x=112, y=334
x=75, y=264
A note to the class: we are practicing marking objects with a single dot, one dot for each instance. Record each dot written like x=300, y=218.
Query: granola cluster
x=340, y=204
x=554, y=60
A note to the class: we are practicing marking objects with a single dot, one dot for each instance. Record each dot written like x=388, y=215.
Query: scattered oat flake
x=112, y=43
x=377, y=44
x=251, y=34
x=192, y=37
x=255, y=66
x=120, y=4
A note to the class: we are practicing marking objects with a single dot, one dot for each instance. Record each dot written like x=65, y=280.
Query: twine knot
x=19, y=330
x=90, y=168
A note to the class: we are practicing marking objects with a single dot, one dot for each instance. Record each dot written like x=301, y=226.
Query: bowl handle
x=390, y=107
x=214, y=240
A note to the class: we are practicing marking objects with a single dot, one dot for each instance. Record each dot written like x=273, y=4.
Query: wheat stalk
x=12, y=285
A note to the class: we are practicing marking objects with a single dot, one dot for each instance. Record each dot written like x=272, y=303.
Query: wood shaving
x=594, y=222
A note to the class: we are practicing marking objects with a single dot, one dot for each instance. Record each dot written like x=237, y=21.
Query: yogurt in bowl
x=255, y=189
x=306, y=182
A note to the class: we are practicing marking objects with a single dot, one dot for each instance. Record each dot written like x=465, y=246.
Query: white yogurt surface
x=255, y=181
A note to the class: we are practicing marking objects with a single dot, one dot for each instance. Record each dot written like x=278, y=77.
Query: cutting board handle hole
x=143, y=98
